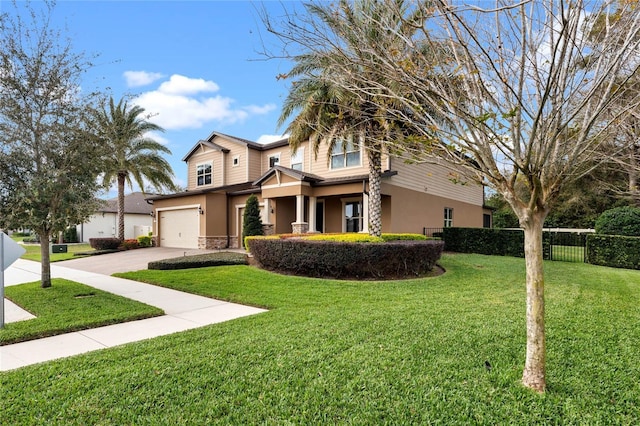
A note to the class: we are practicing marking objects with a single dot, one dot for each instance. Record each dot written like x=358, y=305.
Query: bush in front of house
x=617, y=251
x=130, y=244
x=200, y=261
x=619, y=221
x=107, y=243
x=331, y=259
x=144, y=241
x=500, y=242
x=251, y=220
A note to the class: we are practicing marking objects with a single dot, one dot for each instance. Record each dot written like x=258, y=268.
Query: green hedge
x=107, y=243
x=200, y=261
x=614, y=250
x=497, y=242
x=332, y=259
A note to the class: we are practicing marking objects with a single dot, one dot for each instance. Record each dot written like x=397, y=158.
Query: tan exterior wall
x=204, y=155
x=321, y=167
x=285, y=214
x=254, y=167
x=435, y=180
x=411, y=211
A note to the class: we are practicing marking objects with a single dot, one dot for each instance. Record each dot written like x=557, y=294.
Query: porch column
x=300, y=226
x=312, y=214
x=266, y=211
x=365, y=213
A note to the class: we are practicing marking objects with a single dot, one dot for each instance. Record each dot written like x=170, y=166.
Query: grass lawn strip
x=33, y=252
x=68, y=306
x=345, y=352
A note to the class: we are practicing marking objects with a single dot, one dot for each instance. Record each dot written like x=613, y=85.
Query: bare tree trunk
x=121, y=181
x=45, y=262
x=375, y=198
x=534, y=369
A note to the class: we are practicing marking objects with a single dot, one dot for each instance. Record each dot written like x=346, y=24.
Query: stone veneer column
x=299, y=226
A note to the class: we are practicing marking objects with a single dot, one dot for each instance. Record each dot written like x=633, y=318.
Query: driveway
x=129, y=260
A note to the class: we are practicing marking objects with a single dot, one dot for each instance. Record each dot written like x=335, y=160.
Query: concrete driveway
x=129, y=260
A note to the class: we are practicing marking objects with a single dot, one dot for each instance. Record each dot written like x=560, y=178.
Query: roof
x=296, y=174
x=134, y=203
x=244, y=142
x=227, y=189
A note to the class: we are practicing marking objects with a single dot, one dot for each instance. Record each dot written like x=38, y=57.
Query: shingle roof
x=134, y=203
x=245, y=142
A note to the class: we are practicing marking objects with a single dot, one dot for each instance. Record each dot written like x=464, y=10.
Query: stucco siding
x=106, y=225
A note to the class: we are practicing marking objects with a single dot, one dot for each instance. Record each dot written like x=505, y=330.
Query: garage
x=179, y=228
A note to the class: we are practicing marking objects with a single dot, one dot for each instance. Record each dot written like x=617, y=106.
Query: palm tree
x=131, y=152
x=326, y=112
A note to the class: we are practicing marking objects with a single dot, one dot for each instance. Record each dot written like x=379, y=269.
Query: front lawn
x=346, y=352
x=68, y=306
x=33, y=252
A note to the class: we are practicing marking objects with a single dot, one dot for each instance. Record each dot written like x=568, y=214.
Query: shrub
x=144, y=241
x=252, y=223
x=613, y=250
x=495, y=242
x=200, y=261
x=619, y=221
x=329, y=259
x=130, y=244
x=70, y=235
x=403, y=237
x=108, y=243
x=345, y=238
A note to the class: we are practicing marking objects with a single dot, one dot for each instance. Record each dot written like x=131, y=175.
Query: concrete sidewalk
x=183, y=311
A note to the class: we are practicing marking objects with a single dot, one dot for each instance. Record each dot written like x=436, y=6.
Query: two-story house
x=303, y=192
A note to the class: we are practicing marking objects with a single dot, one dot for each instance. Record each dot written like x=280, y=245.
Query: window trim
x=235, y=161
x=299, y=155
x=346, y=201
x=448, y=218
x=274, y=155
x=198, y=165
x=336, y=153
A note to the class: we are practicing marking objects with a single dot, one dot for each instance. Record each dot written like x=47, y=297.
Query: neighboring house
x=138, y=219
x=305, y=193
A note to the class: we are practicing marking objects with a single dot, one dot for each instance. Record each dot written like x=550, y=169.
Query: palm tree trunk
x=375, y=198
x=534, y=371
x=121, y=181
x=45, y=262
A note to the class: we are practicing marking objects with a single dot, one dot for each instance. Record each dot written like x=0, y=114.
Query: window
x=297, y=158
x=274, y=160
x=204, y=174
x=236, y=160
x=448, y=217
x=486, y=220
x=345, y=156
x=353, y=216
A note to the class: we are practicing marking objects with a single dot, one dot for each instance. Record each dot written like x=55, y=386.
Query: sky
x=195, y=65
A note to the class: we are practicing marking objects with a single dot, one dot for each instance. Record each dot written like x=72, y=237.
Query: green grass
x=345, y=352
x=33, y=252
x=68, y=306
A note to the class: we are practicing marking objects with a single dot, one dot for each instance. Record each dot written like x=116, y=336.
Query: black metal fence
x=564, y=246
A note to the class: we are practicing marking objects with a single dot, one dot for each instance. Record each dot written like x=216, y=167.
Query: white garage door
x=179, y=228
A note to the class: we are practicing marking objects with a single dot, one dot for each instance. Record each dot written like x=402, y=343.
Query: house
x=302, y=192
x=138, y=219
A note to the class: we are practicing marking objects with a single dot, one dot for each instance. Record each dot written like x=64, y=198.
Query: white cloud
x=265, y=139
x=181, y=85
x=186, y=103
x=141, y=78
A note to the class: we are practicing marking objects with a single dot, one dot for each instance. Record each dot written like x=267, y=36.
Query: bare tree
x=515, y=105
x=49, y=161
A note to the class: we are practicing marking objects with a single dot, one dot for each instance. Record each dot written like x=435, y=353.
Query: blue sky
x=196, y=65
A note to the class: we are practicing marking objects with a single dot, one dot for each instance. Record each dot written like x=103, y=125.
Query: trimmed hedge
x=200, y=261
x=613, y=250
x=491, y=241
x=619, y=221
x=109, y=243
x=330, y=259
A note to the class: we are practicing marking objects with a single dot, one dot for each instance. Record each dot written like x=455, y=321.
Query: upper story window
x=448, y=217
x=204, y=174
x=345, y=155
x=236, y=160
x=297, y=159
x=274, y=160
